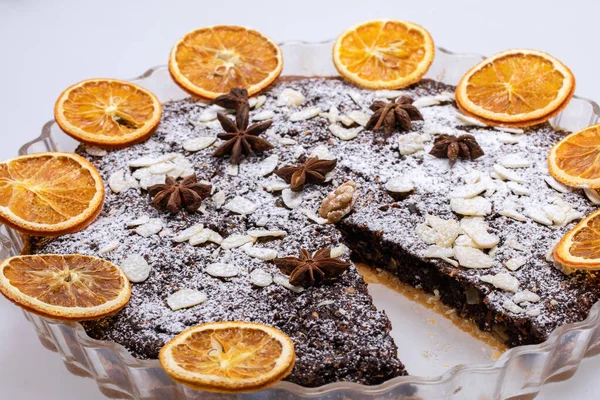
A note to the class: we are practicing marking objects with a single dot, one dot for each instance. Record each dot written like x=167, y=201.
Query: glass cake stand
x=461, y=368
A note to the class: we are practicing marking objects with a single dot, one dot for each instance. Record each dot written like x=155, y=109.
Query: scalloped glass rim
x=518, y=372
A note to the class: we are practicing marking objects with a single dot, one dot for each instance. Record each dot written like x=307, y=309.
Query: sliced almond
x=525, y=295
x=234, y=241
x=147, y=161
x=477, y=230
x=187, y=233
x=135, y=268
x=556, y=185
x=161, y=168
x=468, y=191
x=538, y=216
x=95, y=151
x=355, y=97
x=515, y=263
x=258, y=233
x=388, y=94
x=199, y=143
x=399, y=185
x=154, y=225
x=592, y=195
x=465, y=240
x=200, y=237
x=502, y=281
x=359, y=117
x=261, y=253
x=185, y=298
x=534, y=312
x=284, y=281
x=305, y=114
x=426, y=233
x=241, y=205
x=151, y=180
x=339, y=251
x=261, y=278
x=276, y=184
x=222, y=270
x=426, y=101
x=410, y=143
x=515, y=161
x=289, y=98
x=447, y=230
x=119, y=183
x=291, y=199
x=476, y=206
x=512, y=307
x=322, y=153
x=263, y=115
x=232, y=169
x=507, y=174
x=107, y=248
x=512, y=213
x=470, y=121
x=268, y=165
x=313, y=216
x=470, y=257
x=344, y=133
x=141, y=220
x=518, y=189
x=436, y=251
x=218, y=199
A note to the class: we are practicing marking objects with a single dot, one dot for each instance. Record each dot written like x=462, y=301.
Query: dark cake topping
x=309, y=270
x=236, y=99
x=452, y=147
x=312, y=170
x=398, y=113
x=240, y=139
x=173, y=196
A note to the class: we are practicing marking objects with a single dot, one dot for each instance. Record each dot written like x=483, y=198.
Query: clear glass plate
x=519, y=372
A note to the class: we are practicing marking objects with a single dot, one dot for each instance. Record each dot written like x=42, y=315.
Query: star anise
x=240, y=139
x=173, y=196
x=398, y=113
x=452, y=147
x=309, y=270
x=234, y=100
x=313, y=170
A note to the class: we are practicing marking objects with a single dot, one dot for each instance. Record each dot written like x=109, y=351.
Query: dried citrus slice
x=517, y=87
x=70, y=287
x=580, y=247
x=107, y=112
x=210, y=61
x=229, y=356
x=383, y=54
x=49, y=194
x=575, y=160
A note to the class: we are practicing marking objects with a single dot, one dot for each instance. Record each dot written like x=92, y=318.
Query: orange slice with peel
x=575, y=160
x=107, y=112
x=208, y=62
x=383, y=54
x=518, y=87
x=229, y=356
x=49, y=194
x=68, y=287
x=580, y=247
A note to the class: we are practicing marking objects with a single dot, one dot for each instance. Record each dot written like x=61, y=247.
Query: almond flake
x=512, y=307
x=234, y=241
x=218, y=199
x=322, y=153
x=144, y=219
x=185, y=298
x=305, y=114
x=472, y=177
x=436, y=251
x=538, y=216
x=263, y=115
x=199, y=143
x=515, y=245
x=161, y=168
x=464, y=240
x=476, y=206
x=525, y=295
x=512, y=213
x=516, y=131
x=241, y=205
x=187, y=233
x=332, y=115
x=517, y=189
x=515, y=161
x=359, y=117
x=222, y=270
x=470, y=257
x=592, y=195
x=343, y=133
x=276, y=184
x=556, y=213
x=140, y=173
x=507, y=174
x=468, y=191
x=556, y=185
x=502, y=281
x=289, y=98
x=470, y=121
x=95, y=151
x=572, y=215
x=260, y=101
x=444, y=96
x=447, y=230
x=264, y=254
x=214, y=237
x=339, y=251
x=118, y=181
x=232, y=169
x=355, y=97
x=284, y=281
x=151, y=180
x=476, y=229
x=154, y=225
x=534, y=312
x=298, y=151
x=291, y=199
x=426, y=233
x=268, y=165
x=107, y=248
x=135, y=268
x=410, y=143
x=313, y=216
x=147, y=161
x=388, y=94
x=200, y=237
x=515, y=263
x=399, y=185
x=260, y=278
x=426, y=101
x=258, y=233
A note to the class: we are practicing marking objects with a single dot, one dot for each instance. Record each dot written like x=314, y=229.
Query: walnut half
x=339, y=202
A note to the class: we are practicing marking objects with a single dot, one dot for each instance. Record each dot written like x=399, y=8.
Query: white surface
x=48, y=45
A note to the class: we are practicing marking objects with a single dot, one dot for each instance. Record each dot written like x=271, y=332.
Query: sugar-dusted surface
x=346, y=339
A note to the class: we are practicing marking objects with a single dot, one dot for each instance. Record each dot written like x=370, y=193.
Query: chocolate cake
x=477, y=232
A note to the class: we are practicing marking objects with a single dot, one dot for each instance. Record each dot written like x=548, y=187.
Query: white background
x=47, y=45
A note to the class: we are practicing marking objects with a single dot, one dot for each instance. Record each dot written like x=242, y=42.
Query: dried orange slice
x=49, y=194
x=575, y=160
x=229, y=356
x=517, y=87
x=383, y=54
x=208, y=62
x=580, y=247
x=107, y=112
x=69, y=287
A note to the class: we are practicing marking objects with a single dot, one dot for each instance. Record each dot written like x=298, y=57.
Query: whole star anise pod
x=452, y=147
x=388, y=115
x=308, y=270
x=173, y=196
x=234, y=100
x=240, y=139
x=312, y=170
